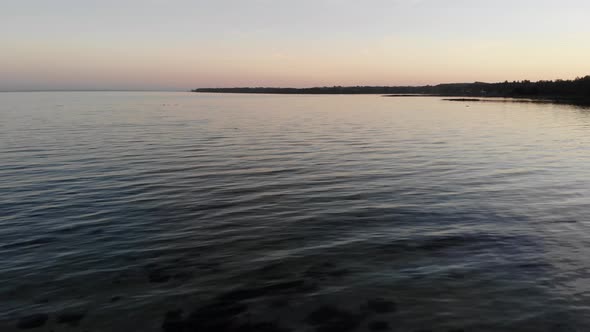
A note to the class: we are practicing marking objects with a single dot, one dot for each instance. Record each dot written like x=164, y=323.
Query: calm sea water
x=305, y=213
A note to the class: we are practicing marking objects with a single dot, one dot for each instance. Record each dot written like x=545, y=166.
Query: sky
x=182, y=44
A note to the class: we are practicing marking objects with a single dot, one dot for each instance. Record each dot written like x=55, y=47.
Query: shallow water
x=313, y=213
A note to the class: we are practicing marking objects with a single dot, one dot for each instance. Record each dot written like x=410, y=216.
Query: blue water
x=126, y=205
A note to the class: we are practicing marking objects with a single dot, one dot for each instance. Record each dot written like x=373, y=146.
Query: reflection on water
x=184, y=212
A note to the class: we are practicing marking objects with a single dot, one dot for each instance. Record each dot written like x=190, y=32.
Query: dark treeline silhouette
x=578, y=89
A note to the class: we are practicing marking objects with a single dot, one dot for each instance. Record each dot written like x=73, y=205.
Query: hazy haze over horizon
x=180, y=44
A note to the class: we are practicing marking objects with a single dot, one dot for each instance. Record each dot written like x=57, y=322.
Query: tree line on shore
x=578, y=88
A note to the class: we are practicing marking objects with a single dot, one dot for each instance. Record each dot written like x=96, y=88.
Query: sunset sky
x=182, y=44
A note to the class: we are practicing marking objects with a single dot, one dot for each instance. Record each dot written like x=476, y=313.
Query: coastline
x=576, y=91
x=507, y=99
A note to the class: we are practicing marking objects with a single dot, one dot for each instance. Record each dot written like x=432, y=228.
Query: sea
x=180, y=211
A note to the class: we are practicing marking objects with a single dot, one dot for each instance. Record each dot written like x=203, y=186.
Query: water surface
x=313, y=213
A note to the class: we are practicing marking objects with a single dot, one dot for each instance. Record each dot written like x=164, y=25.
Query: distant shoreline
x=561, y=91
x=579, y=102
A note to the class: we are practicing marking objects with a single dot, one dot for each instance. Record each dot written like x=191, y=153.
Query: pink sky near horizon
x=158, y=45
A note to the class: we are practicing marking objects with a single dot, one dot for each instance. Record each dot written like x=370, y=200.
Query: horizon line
x=274, y=87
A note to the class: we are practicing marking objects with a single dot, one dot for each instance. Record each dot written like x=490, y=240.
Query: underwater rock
x=32, y=321
x=71, y=318
x=158, y=276
x=173, y=321
x=381, y=306
x=331, y=319
x=379, y=326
